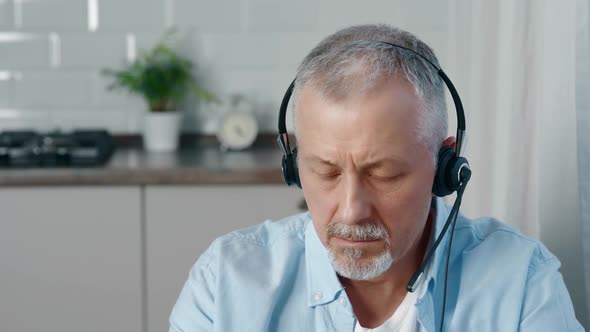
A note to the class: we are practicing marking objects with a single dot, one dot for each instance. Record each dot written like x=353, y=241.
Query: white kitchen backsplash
x=52, y=52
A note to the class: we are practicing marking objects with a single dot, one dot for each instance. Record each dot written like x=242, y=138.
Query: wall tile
x=240, y=50
x=24, y=51
x=131, y=15
x=54, y=15
x=269, y=15
x=209, y=15
x=6, y=92
x=18, y=119
x=256, y=50
x=6, y=15
x=53, y=89
x=147, y=40
x=114, y=120
x=102, y=49
x=92, y=50
x=254, y=83
x=423, y=13
x=336, y=14
x=135, y=120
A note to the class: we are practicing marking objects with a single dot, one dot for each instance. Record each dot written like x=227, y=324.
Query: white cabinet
x=114, y=258
x=181, y=222
x=70, y=259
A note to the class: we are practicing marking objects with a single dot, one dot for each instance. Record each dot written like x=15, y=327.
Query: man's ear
x=450, y=141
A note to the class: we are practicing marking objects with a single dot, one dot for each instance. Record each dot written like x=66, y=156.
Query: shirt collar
x=323, y=283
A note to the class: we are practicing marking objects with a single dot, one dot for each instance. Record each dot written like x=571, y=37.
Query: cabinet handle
x=302, y=205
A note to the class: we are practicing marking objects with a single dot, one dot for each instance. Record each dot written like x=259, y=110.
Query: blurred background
x=107, y=197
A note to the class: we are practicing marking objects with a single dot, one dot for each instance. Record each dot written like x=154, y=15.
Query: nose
x=355, y=202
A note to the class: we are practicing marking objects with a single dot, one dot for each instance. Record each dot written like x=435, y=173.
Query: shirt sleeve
x=194, y=309
x=547, y=305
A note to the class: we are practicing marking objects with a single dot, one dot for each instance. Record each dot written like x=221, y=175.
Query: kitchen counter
x=197, y=163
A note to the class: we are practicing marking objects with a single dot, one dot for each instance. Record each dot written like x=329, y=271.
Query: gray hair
x=351, y=61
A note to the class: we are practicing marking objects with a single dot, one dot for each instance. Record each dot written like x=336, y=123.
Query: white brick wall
x=50, y=62
x=282, y=16
x=6, y=89
x=6, y=14
x=131, y=15
x=92, y=50
x=42, y=15
x=11, y=118
x=24, y=50
x=62, y=88
x=209, y=15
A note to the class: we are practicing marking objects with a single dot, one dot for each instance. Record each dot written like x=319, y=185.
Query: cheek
x=405, y=213
x=321, y=207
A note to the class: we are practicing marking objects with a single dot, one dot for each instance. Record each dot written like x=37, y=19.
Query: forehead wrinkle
x=365, y=147
x=364, y=162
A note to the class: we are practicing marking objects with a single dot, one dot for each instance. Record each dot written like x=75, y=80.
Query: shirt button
x=342, y=300
x=318, y=296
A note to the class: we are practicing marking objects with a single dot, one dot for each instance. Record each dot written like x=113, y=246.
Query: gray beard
x=348, y=265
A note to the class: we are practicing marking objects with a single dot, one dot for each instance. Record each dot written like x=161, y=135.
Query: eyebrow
x=370, y=165
x=318, y=160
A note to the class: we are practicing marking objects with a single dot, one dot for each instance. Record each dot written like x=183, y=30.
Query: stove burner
x=55, y=149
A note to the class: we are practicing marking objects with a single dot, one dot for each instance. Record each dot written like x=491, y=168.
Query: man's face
x=366, y=178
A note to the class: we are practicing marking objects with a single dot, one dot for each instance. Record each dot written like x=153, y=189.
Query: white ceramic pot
x=161, y=131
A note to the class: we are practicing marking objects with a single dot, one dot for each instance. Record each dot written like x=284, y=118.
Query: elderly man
x=370, y=120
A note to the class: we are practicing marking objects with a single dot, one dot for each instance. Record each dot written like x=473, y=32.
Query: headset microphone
x=465, y=176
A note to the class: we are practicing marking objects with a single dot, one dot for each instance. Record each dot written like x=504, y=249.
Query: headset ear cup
x=286, y=166
x=295, y=168
x=442, y=186
x=290, y=170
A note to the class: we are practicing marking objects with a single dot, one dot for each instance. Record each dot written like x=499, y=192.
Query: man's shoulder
x=269, y=232
x=266, y=238
x=236, y=282
x=511, y=275
x=500, y=240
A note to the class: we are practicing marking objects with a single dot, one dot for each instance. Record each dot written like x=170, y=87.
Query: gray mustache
x=357, y=232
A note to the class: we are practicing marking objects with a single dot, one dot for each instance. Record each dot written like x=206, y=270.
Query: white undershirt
x=404, y=319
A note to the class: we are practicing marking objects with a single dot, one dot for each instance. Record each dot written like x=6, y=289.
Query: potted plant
x=163, y=78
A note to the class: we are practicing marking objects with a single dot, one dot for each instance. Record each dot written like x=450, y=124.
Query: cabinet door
x=70, y=259
x=183, y=221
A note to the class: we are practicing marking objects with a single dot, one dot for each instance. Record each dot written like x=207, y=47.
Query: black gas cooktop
x=78, y=148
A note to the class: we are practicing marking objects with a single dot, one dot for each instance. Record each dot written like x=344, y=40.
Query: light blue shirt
x=276, y=276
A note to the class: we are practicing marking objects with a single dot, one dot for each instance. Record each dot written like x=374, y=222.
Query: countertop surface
x=199, y=163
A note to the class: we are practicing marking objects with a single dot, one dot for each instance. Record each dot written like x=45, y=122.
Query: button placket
x=318, y=296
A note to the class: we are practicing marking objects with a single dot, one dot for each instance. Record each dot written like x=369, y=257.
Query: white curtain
x=514, y=64
x=583, y=116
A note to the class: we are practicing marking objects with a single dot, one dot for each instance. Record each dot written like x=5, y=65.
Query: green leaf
x=160, y=75
x=205, y=95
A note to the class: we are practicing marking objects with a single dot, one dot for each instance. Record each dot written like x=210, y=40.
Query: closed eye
x=385, y=177
x=327, y=175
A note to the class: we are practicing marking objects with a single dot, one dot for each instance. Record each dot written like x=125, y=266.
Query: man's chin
x=362, y=267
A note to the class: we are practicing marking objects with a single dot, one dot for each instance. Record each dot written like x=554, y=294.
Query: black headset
x=450, y=164
x=452, y=170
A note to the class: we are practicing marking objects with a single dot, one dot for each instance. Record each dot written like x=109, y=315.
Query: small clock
x=238, y=130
